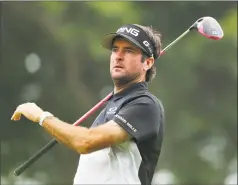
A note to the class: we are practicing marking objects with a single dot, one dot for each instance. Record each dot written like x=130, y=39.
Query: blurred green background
x=51, y=55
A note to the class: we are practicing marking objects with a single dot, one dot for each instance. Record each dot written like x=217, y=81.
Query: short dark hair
x=155, y=38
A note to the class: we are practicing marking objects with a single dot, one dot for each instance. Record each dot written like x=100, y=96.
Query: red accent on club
x=162, y=52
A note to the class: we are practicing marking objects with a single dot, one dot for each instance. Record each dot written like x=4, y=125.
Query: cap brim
x=107, y=40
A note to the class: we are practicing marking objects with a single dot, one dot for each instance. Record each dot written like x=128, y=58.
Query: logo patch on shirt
x=126, y=122
x=112, y=110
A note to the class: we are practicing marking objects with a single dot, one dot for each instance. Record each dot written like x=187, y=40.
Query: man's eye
x=129, y=51
x=114, y=49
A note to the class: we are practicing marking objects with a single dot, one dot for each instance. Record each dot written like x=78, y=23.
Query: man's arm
x=84, y=140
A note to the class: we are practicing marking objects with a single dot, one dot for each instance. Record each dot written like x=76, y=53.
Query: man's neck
x=118, y=89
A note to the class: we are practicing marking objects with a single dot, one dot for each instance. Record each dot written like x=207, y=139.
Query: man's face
x=125, y=62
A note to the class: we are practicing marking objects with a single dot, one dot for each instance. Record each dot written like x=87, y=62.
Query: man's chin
x=120, y=80
x=117, y=77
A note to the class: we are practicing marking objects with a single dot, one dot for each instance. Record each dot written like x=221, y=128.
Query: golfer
x=123, y=144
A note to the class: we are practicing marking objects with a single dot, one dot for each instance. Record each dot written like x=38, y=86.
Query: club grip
x=18, y=171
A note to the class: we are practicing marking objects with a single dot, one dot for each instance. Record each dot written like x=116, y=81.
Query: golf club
x=206, y=26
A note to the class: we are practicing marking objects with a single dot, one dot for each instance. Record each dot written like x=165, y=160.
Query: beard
x=124, y=80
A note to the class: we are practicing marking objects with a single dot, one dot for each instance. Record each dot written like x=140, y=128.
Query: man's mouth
x=117, y=67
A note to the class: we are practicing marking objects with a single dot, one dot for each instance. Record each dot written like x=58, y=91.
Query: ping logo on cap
x=138, y=36
x=132, y=31
x=147, y=44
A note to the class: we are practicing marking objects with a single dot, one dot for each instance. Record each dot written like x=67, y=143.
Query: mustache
x=117, y=64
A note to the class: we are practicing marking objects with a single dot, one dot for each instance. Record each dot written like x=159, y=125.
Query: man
x=124, y=142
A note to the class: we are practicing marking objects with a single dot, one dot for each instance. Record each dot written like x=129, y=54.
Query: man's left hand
x=30, y=110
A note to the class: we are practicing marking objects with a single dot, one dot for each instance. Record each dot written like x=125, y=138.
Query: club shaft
x=53, y=142
x=174, y=42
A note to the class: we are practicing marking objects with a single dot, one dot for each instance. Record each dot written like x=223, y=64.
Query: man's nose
x=119, y=55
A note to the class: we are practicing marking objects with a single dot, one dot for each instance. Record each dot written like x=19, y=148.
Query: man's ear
x=148, y=63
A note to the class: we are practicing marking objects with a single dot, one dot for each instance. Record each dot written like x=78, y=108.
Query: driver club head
x=208, y=27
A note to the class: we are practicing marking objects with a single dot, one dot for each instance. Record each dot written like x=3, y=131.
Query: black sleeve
x=140, y=118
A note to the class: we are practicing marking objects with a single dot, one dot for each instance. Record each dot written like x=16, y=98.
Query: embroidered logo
x=112, y=110
x=132, y=31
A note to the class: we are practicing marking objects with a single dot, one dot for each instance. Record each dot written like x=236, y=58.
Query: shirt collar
x=132, y=88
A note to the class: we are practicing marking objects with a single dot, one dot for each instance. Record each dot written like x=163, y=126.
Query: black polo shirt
x=140, y=114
